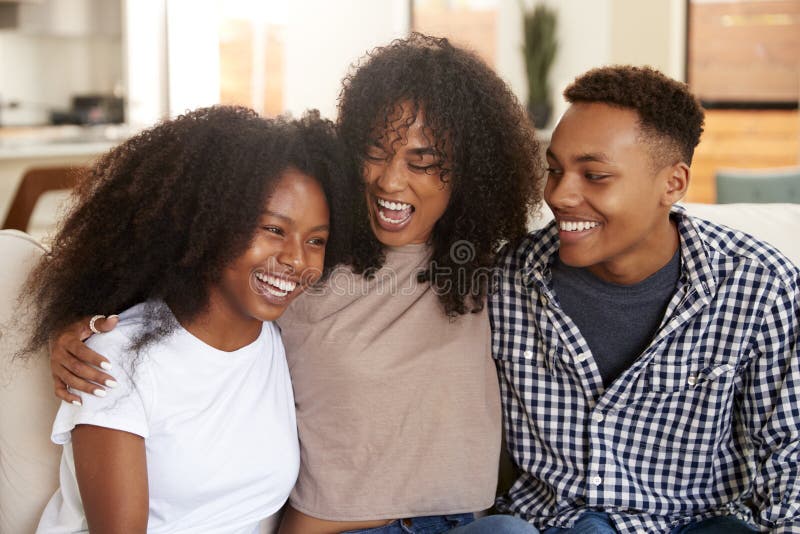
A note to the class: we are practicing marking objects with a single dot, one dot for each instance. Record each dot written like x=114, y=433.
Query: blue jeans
x=435, y=524
x=723, y=524
x=497, y=524
x=588, y=523
x=599, y=523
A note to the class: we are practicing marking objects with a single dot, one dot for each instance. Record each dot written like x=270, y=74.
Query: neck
x=631, y=269
x=222, y=327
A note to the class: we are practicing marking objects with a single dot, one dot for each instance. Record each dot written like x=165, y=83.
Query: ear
x=676, y=183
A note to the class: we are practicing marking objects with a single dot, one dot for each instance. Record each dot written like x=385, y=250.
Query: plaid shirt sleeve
x=771, y=408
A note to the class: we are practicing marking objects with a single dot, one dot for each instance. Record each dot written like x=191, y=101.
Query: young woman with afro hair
x=397, y=399
x=202, y=229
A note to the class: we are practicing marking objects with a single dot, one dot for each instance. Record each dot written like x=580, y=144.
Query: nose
x=390, y=176
x=292, y=255
x=563, y=191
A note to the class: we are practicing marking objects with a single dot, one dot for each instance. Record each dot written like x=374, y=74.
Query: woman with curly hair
x=397, y=398
x=203, y=229
x=396, y=392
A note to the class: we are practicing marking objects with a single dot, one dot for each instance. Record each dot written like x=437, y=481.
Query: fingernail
x=105, y=365
x=100, y=392
x=77, y=403
x=115, y=316
x=111, y=383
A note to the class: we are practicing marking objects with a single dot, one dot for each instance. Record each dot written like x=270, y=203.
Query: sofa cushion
x=28, y=460
x=777, y=224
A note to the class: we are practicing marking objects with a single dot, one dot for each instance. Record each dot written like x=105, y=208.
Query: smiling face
x=286, y=253
x=611, y=204
x=404, y=191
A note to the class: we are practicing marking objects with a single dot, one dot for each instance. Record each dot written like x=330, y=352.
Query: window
x=468, y=23
x=251, y=54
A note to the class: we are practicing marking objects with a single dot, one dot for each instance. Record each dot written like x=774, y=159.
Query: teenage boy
x=648, y=360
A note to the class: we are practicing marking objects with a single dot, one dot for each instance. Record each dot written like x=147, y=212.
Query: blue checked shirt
x=705, y=420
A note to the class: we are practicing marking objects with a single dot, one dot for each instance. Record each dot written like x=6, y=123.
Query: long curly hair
x=495, y=165
x=161, y=215
x=667, y=109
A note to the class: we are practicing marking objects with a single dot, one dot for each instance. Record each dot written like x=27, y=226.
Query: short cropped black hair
x=668, y=112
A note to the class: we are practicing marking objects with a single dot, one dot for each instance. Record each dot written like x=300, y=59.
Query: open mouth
x=273, y=285
x=393, y=215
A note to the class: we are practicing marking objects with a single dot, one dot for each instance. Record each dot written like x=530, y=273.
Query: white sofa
x=29, y=462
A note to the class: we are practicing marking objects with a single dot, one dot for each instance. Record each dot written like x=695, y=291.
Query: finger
x=76, y=383
x=105, y=324
x=63, y=393
x=67, y=344
x=79, y=360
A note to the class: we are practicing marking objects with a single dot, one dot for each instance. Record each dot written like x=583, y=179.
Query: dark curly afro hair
x=669, y=115
x=493, y=160
x=161, y=215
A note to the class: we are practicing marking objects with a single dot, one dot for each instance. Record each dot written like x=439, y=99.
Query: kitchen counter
x=58, y=141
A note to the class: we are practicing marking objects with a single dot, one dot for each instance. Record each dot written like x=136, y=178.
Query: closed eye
x=423, y=168
x=273, y=230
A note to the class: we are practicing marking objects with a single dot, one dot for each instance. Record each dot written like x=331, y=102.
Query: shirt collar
x=696, y=265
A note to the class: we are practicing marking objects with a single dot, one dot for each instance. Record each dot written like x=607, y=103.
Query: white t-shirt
x=219, y=428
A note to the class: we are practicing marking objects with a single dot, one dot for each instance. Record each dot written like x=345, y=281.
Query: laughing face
x=286, y=254
x=404, y=191
x=610, y=202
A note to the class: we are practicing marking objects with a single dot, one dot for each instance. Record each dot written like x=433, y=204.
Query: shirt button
x=528, y=354
x=582, y=357
x=597, y=417
x=692, y=380
x=597, y=481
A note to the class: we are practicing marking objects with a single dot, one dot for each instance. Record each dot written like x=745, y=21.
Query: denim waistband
x=432, y=524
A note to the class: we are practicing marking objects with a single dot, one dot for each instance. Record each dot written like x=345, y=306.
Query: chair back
x=29, y=461
x=36, y=182
x=758, y=185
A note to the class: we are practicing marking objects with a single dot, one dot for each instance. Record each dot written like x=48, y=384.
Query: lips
x=574, y=228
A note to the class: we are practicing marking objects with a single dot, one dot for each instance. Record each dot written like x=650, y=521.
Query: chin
x=270, y=312
x=578, y=261
x=389, y=238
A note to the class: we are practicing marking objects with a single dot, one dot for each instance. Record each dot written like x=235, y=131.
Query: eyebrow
x=424, y=151
x=419, y=151
x=599, y=157
x=320, y=228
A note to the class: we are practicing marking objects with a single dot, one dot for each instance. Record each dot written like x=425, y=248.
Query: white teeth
x=397, y=206
x=285, y=286
x=572, y=226
x=392, y=221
